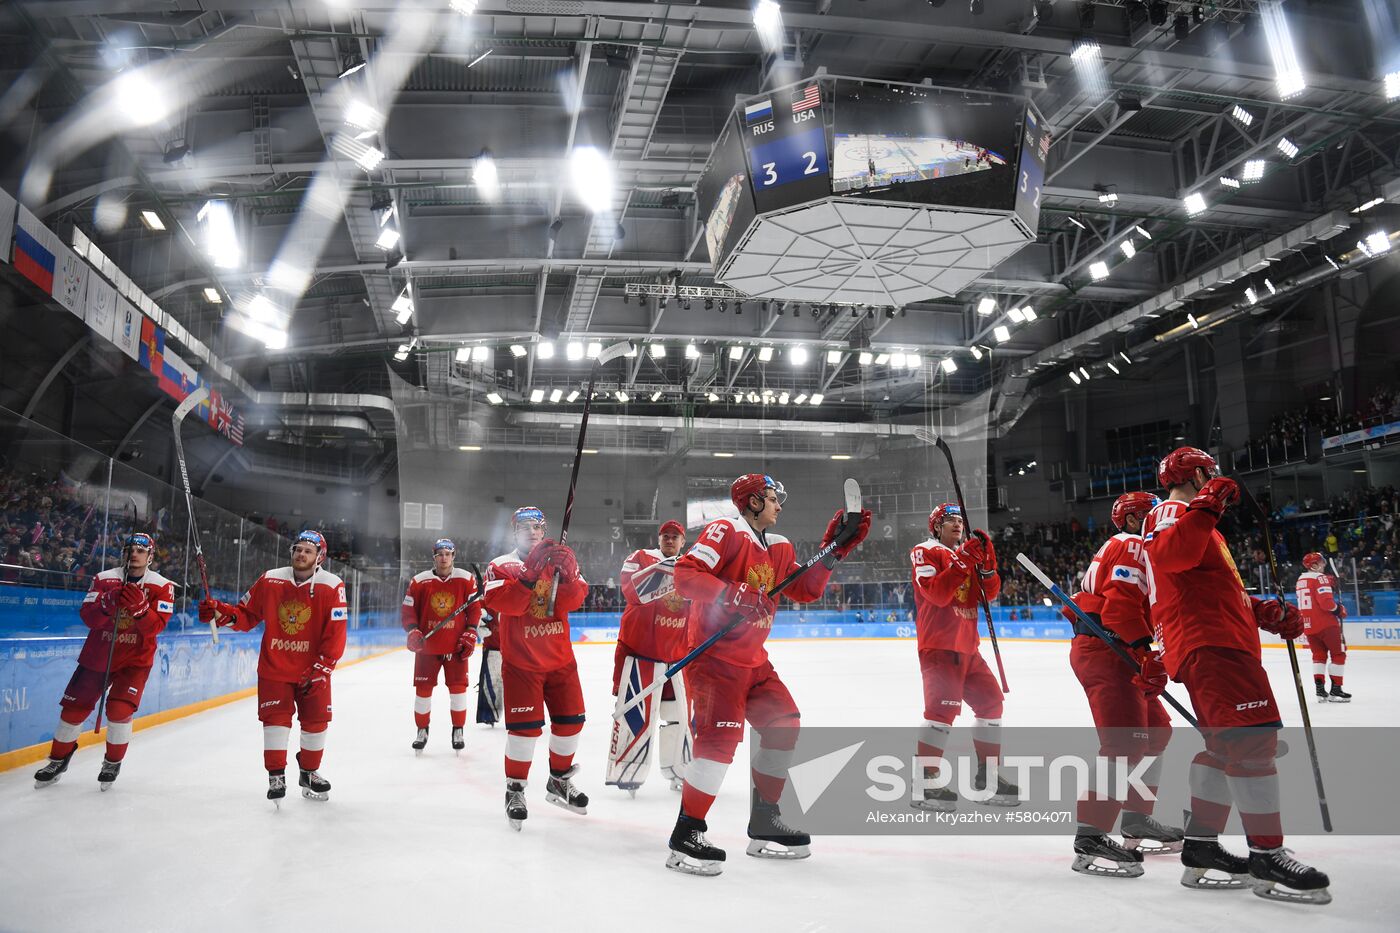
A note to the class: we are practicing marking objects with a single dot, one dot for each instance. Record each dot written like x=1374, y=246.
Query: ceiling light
x=1142, y=232
x=1129, y=250
x=1191, y=319
x=141, y=102
x=1254, y=169
x=479, y=59
x=494, y=398
x=573, y=350
x=712, y=397
x=1392, y=85
x=544, y=350
x=1002, y=333
x=388, y=239
x=658, y=351
x=1242, y=116
x=949, y=365
x=897, y=360
x=753, y=398
x=986, y=306
x=865, y=358
x=765, y=354
x=1074, y=377
x=783, y=398
x=840, y=456
x=623, y=396
x=556, y=395
x=1287, y=146
x=212, y=296
x=692, y=352
x=816, y=399
x=369, y=158
x=484, y=175
x=537, y=396
x=913, y=361
x=152, y=220
x=1251, y=296
x=1098, y=271
x=481, y=354
x=1017, y=315
x=799, y=398
x=1084, y=372
x=1379, y=242
x=797, y=356
x=1227, y=182
x=517, y=350
x=1029, y=313
x=768, y=23
x=1288, y=73
x=350, y=64
x=465, y=7
x=592, y=178
x=220, y=237
x=833, y=357
x=1270, y=286
x=1366, y=206
x=738, y=397
x=1106, y=194
x=1114, y=369
x=736, y=352
x=975, y=351
x=1086, y=49
x=401, y=354
x=1126, y=358
x=722, y=453
x=361, y=115
x=595, y=350
x=882, y=359
x=571, y=396
x=1195, y=203
x=1077, y=223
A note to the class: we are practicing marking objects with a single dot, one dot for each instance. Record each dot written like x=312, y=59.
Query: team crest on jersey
x=293, y=616
x=760, y=577
x=1225, y=552
x=674, y=602
x=442, y=604
x=539, y=601
x=124, y=620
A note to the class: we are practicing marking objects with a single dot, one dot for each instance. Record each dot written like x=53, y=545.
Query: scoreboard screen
x=925, y=146
x=785, y=137
x=723, y=195
x=1030, y=168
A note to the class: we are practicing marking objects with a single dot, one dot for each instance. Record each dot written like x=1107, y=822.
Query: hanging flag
x=35, y=245
x=7, y=224
x=127, y=328
x=176, y=378
x=152, y=346
x=101, y=313
x=70, y=281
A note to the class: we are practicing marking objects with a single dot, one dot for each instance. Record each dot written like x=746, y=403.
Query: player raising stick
x=652, y=636
x=126, y=608
x=305, y=613
x=728, y=572
x=1208, y=627
x=433, y=596
x=538, y=670
x=947, y=571
x=1131, y=720
x=1322, y=623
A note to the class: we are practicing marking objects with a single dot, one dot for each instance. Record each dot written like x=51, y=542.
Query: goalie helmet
x=315, y=538
x=1179, y=466
x=1132, y=503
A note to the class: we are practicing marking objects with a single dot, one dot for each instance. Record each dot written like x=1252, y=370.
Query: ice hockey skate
x=516, y=811
x=771, y=837
x=107, y=774
x=691, y=852
x=1096, y=854
x=52, y=770
x=561, y=792
x=1004, y=794
x=937, y=800
x=1144, y=834
x=276, y=787
x=1338, y=695
x=1321, y=688
x=313, y=786
x=420, y=741
x=459, y=741
x=1274, y=874
x=1206, y=862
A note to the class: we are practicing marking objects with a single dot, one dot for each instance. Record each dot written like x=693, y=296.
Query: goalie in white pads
x=652, y=635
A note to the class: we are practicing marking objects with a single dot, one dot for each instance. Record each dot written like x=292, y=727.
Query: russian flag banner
x=7, y=224
x=35, y=246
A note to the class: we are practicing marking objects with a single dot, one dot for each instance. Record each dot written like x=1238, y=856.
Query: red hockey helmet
x=1132, y=503
x=936, y=517
x=1180, y=465
x=754, y=484
x=139, y=539
x=1313, y=561
x=315, y=538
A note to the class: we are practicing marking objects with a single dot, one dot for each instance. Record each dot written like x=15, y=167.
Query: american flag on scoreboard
x=809, y=98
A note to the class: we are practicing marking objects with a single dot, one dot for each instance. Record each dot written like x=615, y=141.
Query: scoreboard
x=785, y=138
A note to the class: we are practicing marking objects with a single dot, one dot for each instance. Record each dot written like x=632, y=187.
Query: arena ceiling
x=249, y=101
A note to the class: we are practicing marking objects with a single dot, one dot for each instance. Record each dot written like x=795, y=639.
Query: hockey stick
x=116, y=631
x=1098, y=630
x=928, y=437
x=1336, y=598
x=471, y=600
x=1263, y=517
x=192, y=401
x=826, y=556
x=616, y=351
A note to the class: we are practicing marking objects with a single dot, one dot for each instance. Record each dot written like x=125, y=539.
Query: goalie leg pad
x=630, y=751
x=675, y=742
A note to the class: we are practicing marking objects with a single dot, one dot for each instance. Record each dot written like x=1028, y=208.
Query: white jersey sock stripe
x=422, y=704
x=457, y=702
x=67, y=731
x=275, y=737
x=1208, y=783
x=1255, y=794
x=773, y=762
x=986, y=730
x=564, y=744
x=1319, y=668
x=1338, y=670
x=706, y=775
x=119, y=733
x=314, y=741
x=520, y=747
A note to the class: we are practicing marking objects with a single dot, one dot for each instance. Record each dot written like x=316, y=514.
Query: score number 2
x=770, y=169
x=1025, y=180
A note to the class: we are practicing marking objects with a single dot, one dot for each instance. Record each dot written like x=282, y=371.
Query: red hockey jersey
x=305, y=622
x=430, y=599
x=729, y=551
x=1317, y=602
x=1196, y=595
x=1115, y=587
x=655, y=630
x=531, y=639
x=136, y=638
x=945, y=598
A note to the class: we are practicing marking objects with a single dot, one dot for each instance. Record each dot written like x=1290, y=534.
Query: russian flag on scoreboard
x=35, y=245
x=762, y=110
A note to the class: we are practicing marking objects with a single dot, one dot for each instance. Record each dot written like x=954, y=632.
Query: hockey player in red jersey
x=538, y=670
x=1322, y=623
x=652, y=635
x=1208, y=627
x=1131, y=720
x=432, y=599
x=304, y=610
x=125, y=609
x=948, y=570
x=727, y=574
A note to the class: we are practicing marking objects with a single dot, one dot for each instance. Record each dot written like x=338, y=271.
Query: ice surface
x=186, y=841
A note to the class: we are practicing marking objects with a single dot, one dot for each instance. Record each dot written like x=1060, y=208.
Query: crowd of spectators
x=1294, y=434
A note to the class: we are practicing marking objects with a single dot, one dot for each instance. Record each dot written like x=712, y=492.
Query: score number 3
x=1025, y=180
x=770, y=170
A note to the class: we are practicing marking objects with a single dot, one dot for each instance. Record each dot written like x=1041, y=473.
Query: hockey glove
x=1217, y=495
x=563, y=562
x=973, y=552
x=537, y=561
x=988, y=566
x=107, y=601
x=1282, y=619
x=833, y=528
x=211, y=610
x=315, y=675
x=133, y=600
x=466, y=644
x=749, y=602
x=415, y=641
x=1152, y=678
x=1341, y=612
